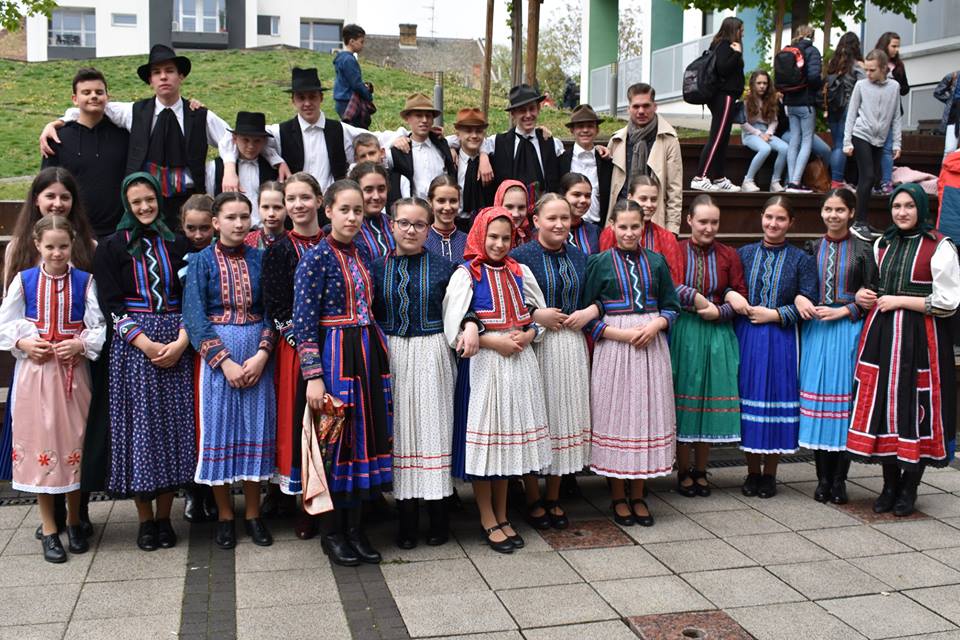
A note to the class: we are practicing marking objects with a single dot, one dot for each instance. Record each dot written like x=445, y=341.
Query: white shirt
x=585, y=162
x=427, y=165
x=489, y=145
x=249, y=174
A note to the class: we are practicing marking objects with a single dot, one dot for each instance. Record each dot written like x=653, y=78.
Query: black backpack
x=700, y=79
x=837, y=92
x=789, y=70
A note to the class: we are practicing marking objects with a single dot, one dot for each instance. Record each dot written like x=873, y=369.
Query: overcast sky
x=458, y=19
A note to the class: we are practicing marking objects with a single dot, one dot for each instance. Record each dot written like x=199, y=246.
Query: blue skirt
x=827, y=357
x=769, y=396
x=237, y=426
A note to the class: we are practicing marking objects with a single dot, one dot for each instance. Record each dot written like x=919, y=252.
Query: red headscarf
x=522, y=232
x=476, y=251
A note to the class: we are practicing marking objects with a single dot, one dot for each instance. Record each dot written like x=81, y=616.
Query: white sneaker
x=702, y=184
x=723, y=184
x=776, y=187
x=749, y=186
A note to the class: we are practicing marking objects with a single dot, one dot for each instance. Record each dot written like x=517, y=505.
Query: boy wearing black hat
x=585, y=158
x=250, y=137
x=412, y=170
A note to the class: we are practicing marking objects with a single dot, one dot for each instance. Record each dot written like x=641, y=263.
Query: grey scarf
x=637, y=140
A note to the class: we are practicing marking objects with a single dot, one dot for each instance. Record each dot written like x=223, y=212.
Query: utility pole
x=487, y=58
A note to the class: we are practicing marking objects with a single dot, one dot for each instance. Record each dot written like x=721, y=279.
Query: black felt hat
x=304, y=80
x=250, y=123
x=523, y=94
x=162, y=53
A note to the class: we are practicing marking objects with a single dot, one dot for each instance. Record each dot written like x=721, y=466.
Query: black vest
x=403, y=166
x=291, y=146
x=504, y=154
x=194, y=135
x=604, y=175
x=266, y=173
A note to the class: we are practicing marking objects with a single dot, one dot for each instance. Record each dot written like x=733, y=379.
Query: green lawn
x=226, y=81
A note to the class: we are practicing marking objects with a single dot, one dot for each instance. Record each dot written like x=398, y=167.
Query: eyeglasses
x=404, y=225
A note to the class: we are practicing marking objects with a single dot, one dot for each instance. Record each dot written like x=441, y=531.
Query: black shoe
x=339, y=550
x=86, y=528
x=38, y=534
x=365, y=551
x=824, y=478
x=76, y=541
x=516, y=540
x=504, y=546
x=891, y=487
x=824, y=490
x=408, y=514
x=147, y=536
x=569, y=487
x=210, y=511
x=907, y=496
x=751, y=485
x=688, y=491
x=643, y=521
x=556, y=521
x=439, y=531
x=306, y=525
x=625, y=521
x=863, y=231
x=541, y=522
x=166, y=536
x=193, y=504
x=702, y=489
x=258, y=532
x=270, y=507
x=838, y=490
x=226, y=537
x=767, y=487
x=52, y=549
x=453, y=501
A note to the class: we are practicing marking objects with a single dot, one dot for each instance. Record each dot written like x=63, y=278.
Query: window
x=320, y=36
x=200, y=16
x=706, y=25
x=268, y=25
x=123, y=19
x=72, y=28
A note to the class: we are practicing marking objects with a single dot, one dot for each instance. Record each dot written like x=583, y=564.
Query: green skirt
x=705, y=358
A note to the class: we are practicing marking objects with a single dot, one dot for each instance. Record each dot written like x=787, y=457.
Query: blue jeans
x=763, y=149
x=886, y=160
x=819, y=148
x=802, y=121
x=838, y=161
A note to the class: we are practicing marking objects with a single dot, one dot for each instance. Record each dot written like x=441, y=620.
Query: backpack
x=700, y=79
x=789, y=72
x=837, y=91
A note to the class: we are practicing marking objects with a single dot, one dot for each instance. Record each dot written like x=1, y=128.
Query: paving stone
x=942, y=600
x=828, y=579
x=12, y=516
x=875, y=484
x=130, y=598
x=454, y=613
x=38, y=604
x=801, y=619
x=657, y=594
x=615, y=563
x=33, y=570
x=22, y=541
x=501, y=635
x=113, y=564
x=855, y=542
x=609, y=630
x=732, y=523
x=283, y=555
x=718, y=501
x=288, y=622
x=291, y=587
x=908, y=570
x=778, y=548
x=523, y=569
x=796, y=472
x=474, y=545
x=949, y=556
x=946, y=479
x=861, y=508
x=865, y=471
x=432, y=578
x=727, y=477
x=160, y=627
x=922, y=534
x=50, y=631
x=799, y=513
x=587, y=534
x=5, y=535
x=944, y=635
x=670, y=526
x=715, y=624
x=422, y=552
x=698, y=555
x=741, y=587
x=556, y=605
x=886, y=616
x=940, y=505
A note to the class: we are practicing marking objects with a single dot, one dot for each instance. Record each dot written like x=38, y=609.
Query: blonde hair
x=53, y=223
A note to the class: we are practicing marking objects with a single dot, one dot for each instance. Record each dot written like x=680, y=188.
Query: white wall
x=111, y=41
x=291, y=13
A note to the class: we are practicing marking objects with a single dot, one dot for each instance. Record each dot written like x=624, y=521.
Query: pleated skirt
x=565, y=368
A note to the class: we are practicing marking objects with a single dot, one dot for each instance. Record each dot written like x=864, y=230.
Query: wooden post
x=533, y=37
x=516, y=42
x=778, y=27
x=487, y=59
x=827, y=25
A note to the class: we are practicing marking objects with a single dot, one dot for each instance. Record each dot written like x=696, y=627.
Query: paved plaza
x=731, y=566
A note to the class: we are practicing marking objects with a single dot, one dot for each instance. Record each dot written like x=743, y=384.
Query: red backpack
x=789, y=70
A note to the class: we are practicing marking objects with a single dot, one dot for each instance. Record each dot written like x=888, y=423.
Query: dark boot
x=569, y=487
x=86, y=527
x=409, y=516
x=907, y=495
x=891, y=486
x=841, y=466
x=439, y=531
x=334, y=543
x=210, y=511
x=824, y=479
x=357, y=538
x=270, y=507
x=192, y=504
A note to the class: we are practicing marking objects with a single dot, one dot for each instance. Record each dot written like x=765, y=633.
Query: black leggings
x=713, y=156
x=868, y=170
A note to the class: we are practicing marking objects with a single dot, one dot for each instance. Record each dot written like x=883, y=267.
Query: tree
x=12, y=12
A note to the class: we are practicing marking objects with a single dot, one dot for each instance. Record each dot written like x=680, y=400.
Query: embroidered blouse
x=223, y=287
x=776, y=275
x=558, y=273
x=655, y=238
x=843, y=267
x=375, y=236
x=625, y=282
x=711, y=271
x=259, y=239
x=450, y=245
x=409, y=293
x=333, y=289
x=145, y=284
x=586, y=237
x=279, y=265
x=919, y=265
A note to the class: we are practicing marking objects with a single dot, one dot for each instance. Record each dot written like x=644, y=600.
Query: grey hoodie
x=872, y=110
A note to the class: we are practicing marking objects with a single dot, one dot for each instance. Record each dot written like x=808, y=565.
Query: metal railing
x=667, y=65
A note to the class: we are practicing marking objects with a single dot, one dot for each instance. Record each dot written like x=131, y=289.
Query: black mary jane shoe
x=767, y=487
x=541, y=523
x=516, y=540
x=643, y=521
x=76, y=541
x=689, y=490
x=53, y=549
x=702, y=489
x=339, y=551
x=623, y=521
x=258, y=532
x=504, y=546
x=560, y=521
x=166, y=536
x=226, y=537
x=147, y=536
x=365, y=551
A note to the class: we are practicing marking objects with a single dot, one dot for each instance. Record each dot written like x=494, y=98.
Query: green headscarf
x=129, y=221
x=924, y=216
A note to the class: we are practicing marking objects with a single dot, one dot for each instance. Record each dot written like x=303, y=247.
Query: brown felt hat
x=470, y=117
x=418, y=102
x=583, y=113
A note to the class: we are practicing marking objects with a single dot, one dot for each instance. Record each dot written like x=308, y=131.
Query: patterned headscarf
x=925, y=222
x=130, y=222
x=522, y=232
x=476, y=252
